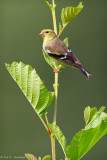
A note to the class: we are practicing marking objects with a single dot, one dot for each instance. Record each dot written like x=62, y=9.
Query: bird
x=57, y=50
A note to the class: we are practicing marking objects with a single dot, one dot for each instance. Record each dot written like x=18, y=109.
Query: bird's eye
x=47, y=32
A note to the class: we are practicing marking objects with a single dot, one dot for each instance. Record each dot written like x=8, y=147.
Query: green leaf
x=102, y=109
x=47, y=157
x=69, y=13
x=92, y=113
x=59, y=135
x=60, y=27
x=30, y=156
x=31, y=85
x=96, y=120
x=84, y=140
x=87, y=114
x=66, y=41
x=54, y=64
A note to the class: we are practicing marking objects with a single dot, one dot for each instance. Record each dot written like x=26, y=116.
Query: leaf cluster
x=40, y=99
x=85, y=139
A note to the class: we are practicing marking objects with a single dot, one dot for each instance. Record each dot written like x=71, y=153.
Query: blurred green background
x=20, y=23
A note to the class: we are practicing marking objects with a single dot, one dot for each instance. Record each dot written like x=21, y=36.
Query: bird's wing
x=55, y=46
x=72, y=57
x=67, y=58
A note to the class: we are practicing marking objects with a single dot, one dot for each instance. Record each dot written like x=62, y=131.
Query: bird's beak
x=41, y=34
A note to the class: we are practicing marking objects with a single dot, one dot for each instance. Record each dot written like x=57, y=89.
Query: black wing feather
x=67, y=58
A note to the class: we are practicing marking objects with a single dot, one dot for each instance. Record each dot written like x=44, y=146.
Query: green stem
x=56, y=97
x=49, y=5
x=46, y=118
x=54, y=16
x=43, y=122
x=53, y=147
x=55, y=115
x=55, y=85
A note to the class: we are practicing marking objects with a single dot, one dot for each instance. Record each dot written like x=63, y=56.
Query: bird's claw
x=57, y=70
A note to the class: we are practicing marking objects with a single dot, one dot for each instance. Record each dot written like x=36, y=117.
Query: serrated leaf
x=69, y=13
x=59, y=135
x=96, y=120
x=66, y=41
x=31, y=85
x=30, y=156
x=47, y=157
x=84, y=140
x=51, y=62
x=87, y=112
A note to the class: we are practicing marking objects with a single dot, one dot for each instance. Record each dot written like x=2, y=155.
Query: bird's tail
x=86, y=73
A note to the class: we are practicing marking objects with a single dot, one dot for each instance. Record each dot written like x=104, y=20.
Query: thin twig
x=62, y=30
x=46, y=118
x=43, y=122
x=49, y=5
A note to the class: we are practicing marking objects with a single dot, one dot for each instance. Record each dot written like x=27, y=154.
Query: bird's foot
x=57, y=70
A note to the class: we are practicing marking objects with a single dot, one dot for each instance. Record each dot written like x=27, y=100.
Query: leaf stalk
x=43, y=122
x=59, y=35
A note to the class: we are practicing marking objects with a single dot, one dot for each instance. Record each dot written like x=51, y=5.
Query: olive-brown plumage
x=57, y=49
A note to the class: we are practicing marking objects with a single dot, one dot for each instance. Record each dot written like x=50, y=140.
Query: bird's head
x=47, y=34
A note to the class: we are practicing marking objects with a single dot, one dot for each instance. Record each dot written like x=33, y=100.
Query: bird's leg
x=57, y=70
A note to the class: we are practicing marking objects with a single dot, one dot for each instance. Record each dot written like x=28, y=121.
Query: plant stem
x=48, y=4
x=43, y=122
x=53, y=147
x=55, y=115
x=54, y=16
x=46, y=118
x=56, y=97
x=55, y=85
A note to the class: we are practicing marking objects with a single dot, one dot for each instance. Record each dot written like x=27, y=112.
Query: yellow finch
x=59, y=52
